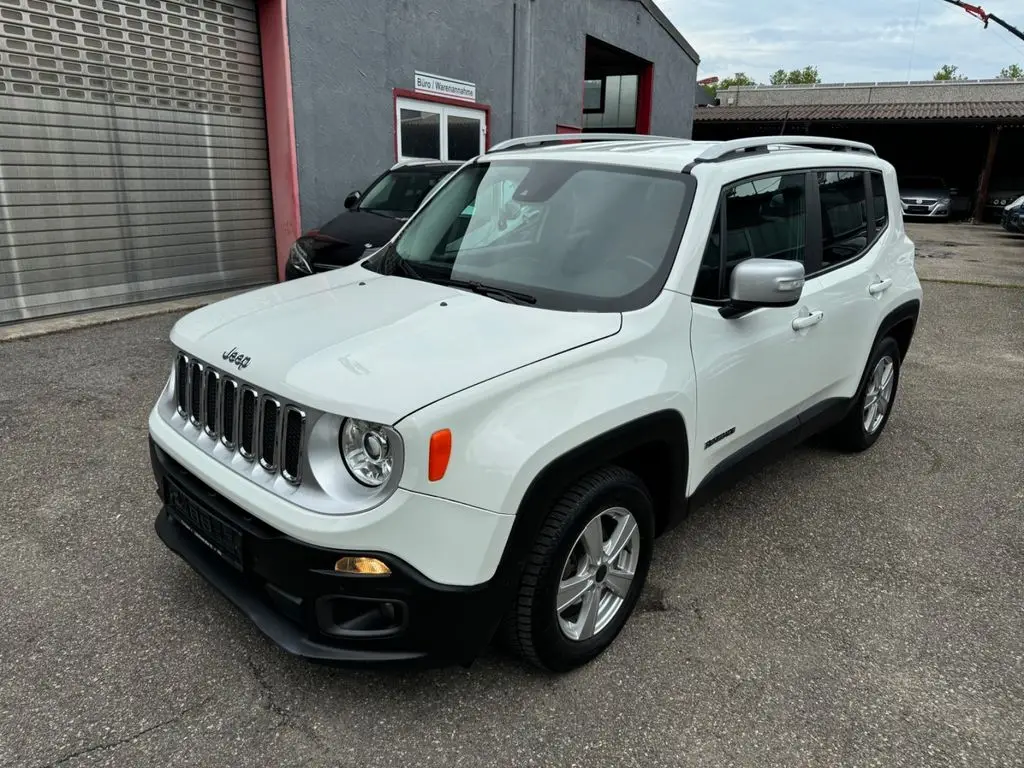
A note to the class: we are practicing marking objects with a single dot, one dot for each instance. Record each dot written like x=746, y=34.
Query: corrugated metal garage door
x=133, y=153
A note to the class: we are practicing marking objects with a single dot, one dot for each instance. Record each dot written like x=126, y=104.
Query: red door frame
x=404, y=93
x=280, y=116
x=645, y=99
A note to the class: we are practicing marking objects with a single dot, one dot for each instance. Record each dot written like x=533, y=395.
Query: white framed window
x=428, y=130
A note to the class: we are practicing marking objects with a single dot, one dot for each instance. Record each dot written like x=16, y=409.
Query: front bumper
x=1011, y=221
x=290, y=591
x=938, y=210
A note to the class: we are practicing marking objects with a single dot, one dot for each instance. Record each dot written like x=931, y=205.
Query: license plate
x=918, y=209
x=215, y=532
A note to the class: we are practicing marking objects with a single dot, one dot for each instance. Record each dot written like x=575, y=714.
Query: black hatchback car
x=370, y=218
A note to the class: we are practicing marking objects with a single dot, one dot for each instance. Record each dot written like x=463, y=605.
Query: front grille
x=229, y=399
x=181, y=391
x=270, y=410
x=195, y=388
x=255, y=424
x=294, y=430
x=211, y=401
x=247, y=438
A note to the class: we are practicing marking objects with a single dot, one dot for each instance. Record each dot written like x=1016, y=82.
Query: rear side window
x=764, y=218
x=844, y=216
x=881, y=202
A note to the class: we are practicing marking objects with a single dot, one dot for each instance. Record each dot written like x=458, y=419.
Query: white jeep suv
x=480, y=430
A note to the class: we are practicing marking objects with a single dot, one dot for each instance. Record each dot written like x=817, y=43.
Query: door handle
x=876, y=288
x=807, y=321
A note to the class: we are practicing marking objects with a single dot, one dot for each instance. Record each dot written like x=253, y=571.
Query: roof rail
x=557, y=138
x=728, y=150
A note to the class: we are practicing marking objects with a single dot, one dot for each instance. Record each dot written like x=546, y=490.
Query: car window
x=764, y=218
x=880, y=200
x=576, y=235
x=400, y=191
x=844, y=216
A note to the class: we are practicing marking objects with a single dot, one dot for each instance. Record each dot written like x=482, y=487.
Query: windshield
x=573, y=236
x=401, y=191
x=922, y=182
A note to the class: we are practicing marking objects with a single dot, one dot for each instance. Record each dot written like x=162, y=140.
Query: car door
x=851, y=271
x=756, y=372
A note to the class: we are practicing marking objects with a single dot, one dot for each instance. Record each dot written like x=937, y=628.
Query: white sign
x=445, y=86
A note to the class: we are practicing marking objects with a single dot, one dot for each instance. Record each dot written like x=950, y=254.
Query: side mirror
x=763, y=283
x=353, y=199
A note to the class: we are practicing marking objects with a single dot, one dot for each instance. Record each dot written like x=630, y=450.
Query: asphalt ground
x=829, y=611
x=962, y=252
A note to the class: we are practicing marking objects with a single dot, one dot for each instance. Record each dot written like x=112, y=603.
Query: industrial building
x=160, y=148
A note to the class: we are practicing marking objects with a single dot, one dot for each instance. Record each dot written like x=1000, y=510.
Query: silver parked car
x=926, y=197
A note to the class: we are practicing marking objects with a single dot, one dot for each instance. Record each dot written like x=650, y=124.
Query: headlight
x=368, y=451
x=944, y=201
x=298, y=259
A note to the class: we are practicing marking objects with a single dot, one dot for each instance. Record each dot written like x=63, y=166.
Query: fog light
x=367, y=566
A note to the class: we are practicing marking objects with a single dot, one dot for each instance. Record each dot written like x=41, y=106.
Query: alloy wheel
x=878, y=397
x=598, y=574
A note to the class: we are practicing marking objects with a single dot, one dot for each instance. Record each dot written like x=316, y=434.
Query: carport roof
x=989, y=111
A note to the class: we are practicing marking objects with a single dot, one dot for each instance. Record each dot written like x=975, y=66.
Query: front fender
x=506, y=431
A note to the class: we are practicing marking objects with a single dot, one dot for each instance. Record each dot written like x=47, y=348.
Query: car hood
x=355, y=230
x=915, y=192
x=355, y=343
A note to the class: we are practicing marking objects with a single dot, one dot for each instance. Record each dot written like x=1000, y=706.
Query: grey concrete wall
x=875, y=93
x=555, y=33
x=347, y=56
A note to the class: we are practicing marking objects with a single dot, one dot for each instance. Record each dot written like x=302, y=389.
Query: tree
x=740, y=78
x=1012, y=72
x=949, y=72
x=805, y=76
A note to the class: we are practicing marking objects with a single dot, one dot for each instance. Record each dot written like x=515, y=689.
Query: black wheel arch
x=900, y=324
x=654, y=446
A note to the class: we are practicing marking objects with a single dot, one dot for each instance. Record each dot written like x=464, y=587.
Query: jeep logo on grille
x=236, y=358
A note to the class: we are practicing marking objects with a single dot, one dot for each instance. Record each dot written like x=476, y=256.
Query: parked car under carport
x=927, y=197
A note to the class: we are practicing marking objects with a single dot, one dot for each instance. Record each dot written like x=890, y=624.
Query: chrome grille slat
x=257, y=425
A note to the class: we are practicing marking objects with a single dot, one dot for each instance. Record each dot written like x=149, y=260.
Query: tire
x=533, y=629
x=853, y=433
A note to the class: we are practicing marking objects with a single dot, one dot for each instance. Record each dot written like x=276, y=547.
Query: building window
x=593, y=96
x=419, y=133
x=617, y=110
x=428, y=130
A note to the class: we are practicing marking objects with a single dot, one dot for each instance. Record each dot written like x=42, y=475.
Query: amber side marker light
x=440, y=453
x=366, y=566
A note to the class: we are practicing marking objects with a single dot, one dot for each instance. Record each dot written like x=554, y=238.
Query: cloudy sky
x=848, y=40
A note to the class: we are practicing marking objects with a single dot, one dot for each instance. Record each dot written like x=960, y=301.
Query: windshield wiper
x=513, y=297
x=391, y=263
x=388, y=262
